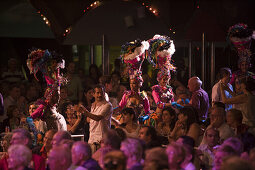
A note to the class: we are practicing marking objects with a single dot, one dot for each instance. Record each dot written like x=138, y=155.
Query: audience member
x=156, y=159
x=19, y=157
x=74, y=85
x=199, y=99
x=81, y=156
x=59, y=158
x=59, y=136
x=47, y=143
x=165, y=127
x=217, y=118
x=176, y=155
x=247, y=99
x=234, y=120
x=235, y=163
x=222, y=153
x=115, y=160
x=149, y=135
x=23, y=137
x=224, y=77
x=187, y=164
x=13, y=75
x=111, y=141
x=211, y=138
x=186, y=124
x=133, y=150
x=129, y=125
x=88, y=97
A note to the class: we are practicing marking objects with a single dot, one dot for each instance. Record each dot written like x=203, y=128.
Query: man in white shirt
x=100, y=117
x=225, y=76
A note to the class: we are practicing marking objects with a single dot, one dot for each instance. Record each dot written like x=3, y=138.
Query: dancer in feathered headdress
x=240, y=37
x=133, y=55
x=159, y=55
x=49, y=65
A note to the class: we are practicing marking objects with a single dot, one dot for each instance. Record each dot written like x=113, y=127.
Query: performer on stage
x=160, y=53
x=240, y=37
x=49, y=65
x=133, y=55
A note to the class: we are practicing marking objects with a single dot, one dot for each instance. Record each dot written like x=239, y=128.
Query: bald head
x=194, y=84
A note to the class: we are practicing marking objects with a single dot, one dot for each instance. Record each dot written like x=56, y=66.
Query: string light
x=151, y=9
x=47, y=22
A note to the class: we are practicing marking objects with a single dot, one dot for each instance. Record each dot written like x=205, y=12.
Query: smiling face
x=32, y=108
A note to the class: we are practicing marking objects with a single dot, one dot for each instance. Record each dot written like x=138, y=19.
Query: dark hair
x=98, y=86
x=171, y=112
x=84, y=99
x=188, y=141
x=10, y=110
x=151, y=131
x=238, y=116
x=63, y=108
x=129, y=111
x=121, y=133
x=112, y=139
x=191, y=113
x=219, y=104
x=223, y=72
x=249, y=83
x=248, y=140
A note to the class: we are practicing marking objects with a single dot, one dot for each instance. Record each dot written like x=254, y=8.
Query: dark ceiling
x=187, y=18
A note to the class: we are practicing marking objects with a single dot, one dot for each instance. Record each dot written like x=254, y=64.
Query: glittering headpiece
x=49, y=64
x=160, y=53
x=240, y=37
x=133, y=55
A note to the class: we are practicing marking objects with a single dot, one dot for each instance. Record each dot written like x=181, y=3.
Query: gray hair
x=83, y=148
x=22, y=153
x=133, y=148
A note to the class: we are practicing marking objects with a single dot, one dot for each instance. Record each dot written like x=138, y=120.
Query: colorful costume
x=160, y=54
x=49, y=65
x=240, y=37
x=133, y=55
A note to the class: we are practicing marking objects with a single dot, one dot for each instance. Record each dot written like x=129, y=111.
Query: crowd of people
x=209, y=132
x=98, y=122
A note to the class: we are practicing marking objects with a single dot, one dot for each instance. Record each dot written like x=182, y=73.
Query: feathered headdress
x=160, y=54
x=133, y=55
x=240, y=37
x=49, y=64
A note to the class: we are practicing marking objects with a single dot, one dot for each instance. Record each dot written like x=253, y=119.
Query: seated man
x=23, y=137
x=81, y=156
x=149, y=135
x=218, y=122
x=59, y=136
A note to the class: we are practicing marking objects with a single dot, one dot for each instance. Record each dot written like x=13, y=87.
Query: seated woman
x=73, y=119
x=186, y=124
x=165, y=127
x=245, y=100
x=129, y=125
x=234, y=120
